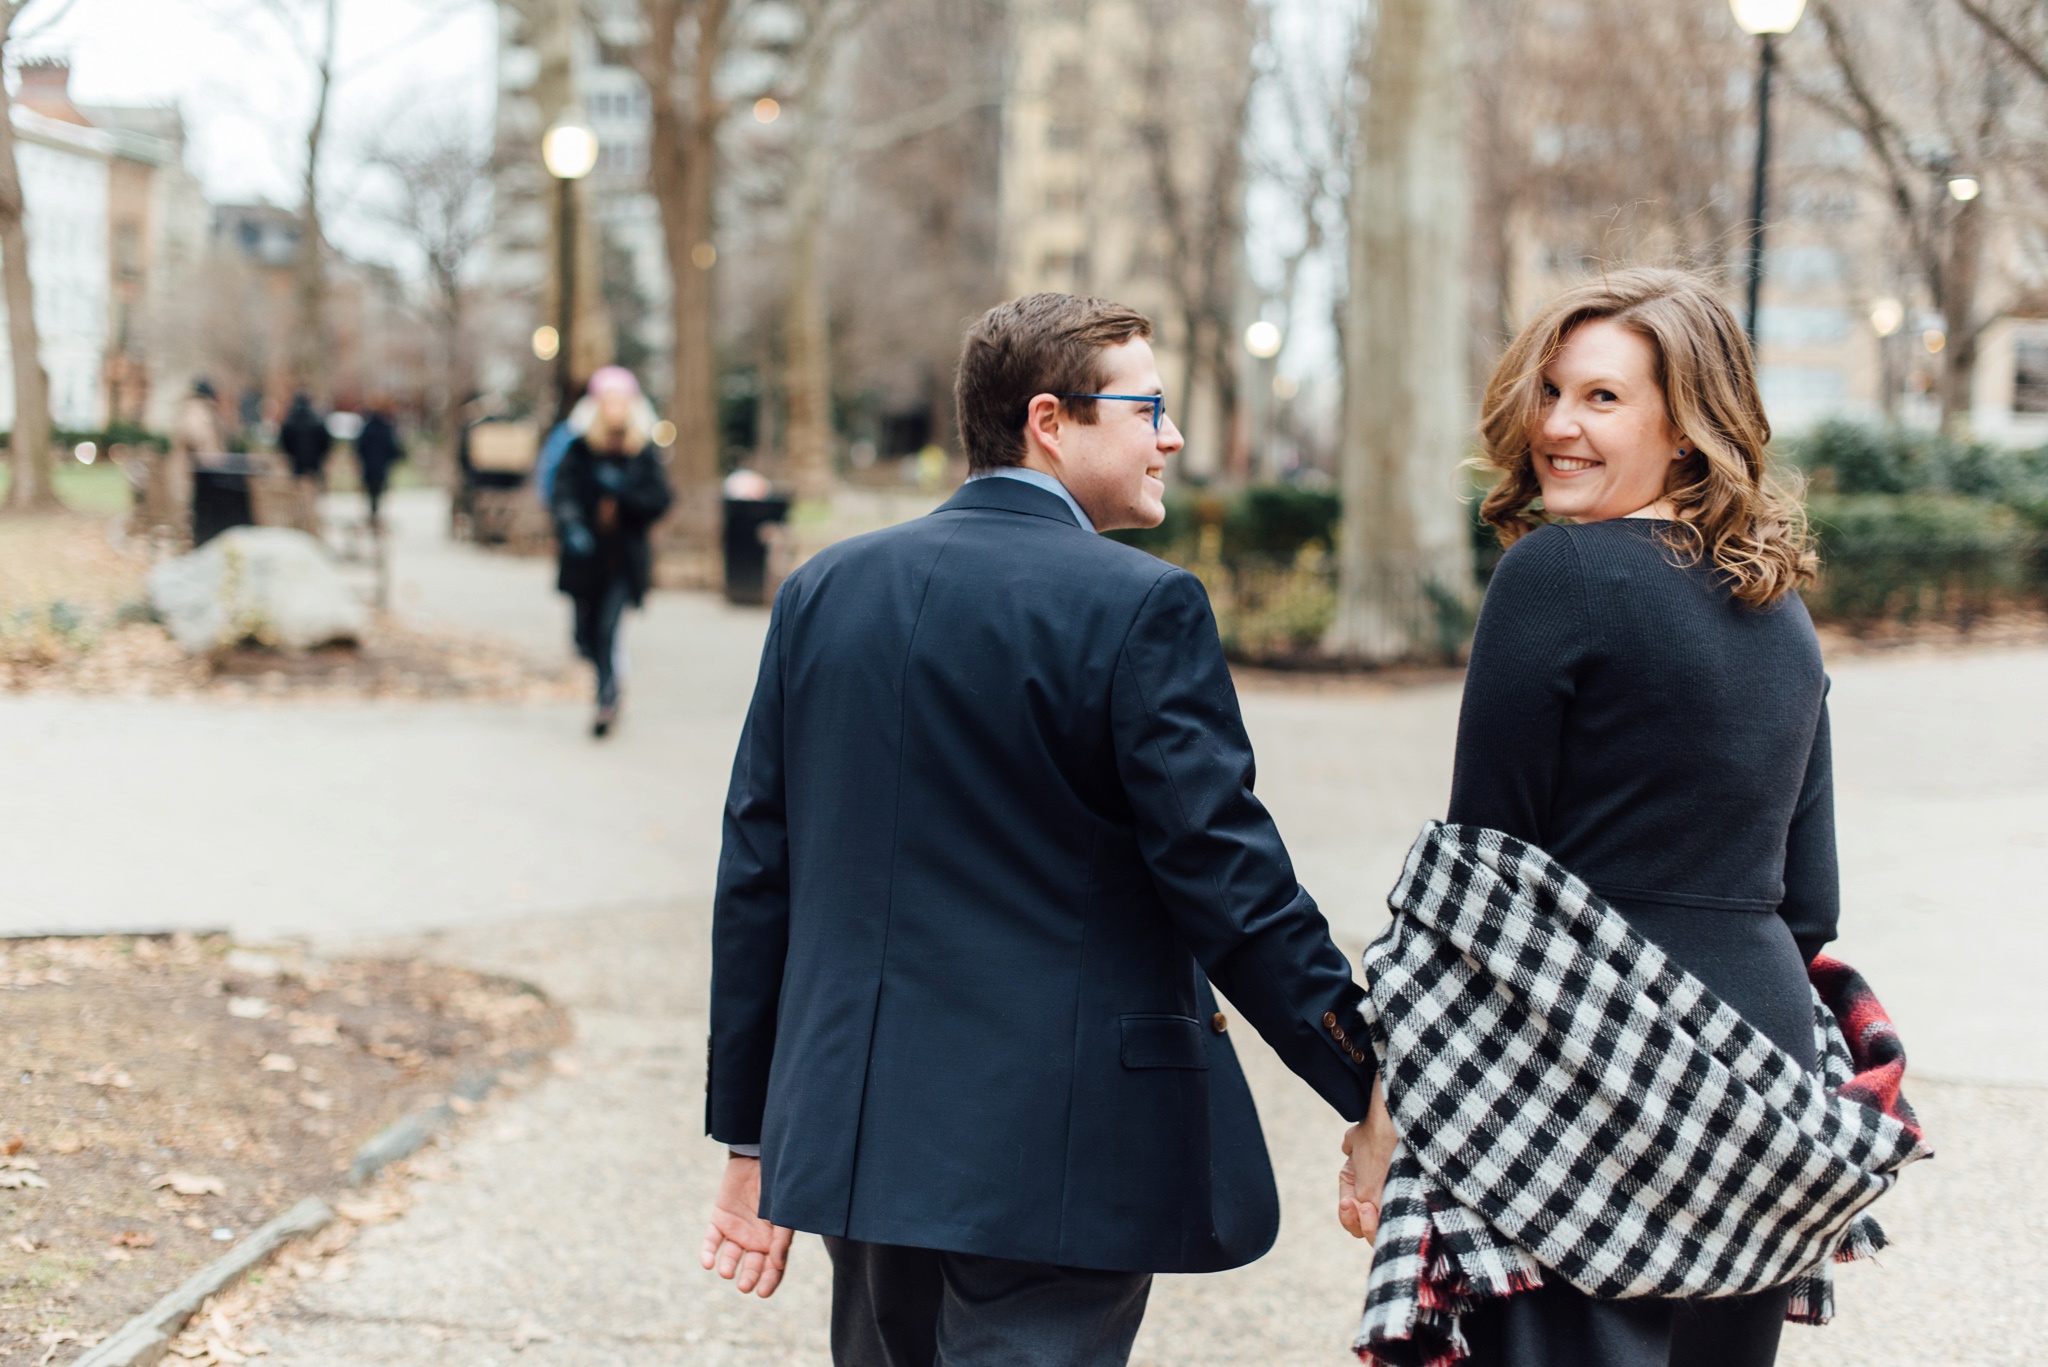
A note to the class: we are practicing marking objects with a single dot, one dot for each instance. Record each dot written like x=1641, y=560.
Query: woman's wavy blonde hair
x=1731, y=509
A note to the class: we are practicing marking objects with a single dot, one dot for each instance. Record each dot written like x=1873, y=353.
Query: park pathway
x=499, y=835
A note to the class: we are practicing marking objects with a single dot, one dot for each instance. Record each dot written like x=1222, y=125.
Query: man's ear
x=1042, y=424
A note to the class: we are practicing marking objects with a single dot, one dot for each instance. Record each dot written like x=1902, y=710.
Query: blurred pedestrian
x=377, y=450
x=609, y=489
x=195, y=441
x=304, y=439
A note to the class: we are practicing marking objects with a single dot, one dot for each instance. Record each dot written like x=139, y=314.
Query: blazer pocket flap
x=1164, y=1042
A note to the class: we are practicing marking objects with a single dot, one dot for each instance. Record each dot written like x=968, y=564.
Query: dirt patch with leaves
x=163, y=1097
x=74, y=619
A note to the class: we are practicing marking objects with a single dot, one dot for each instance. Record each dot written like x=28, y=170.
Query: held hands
x=740, y=1246
x=1368, y=1149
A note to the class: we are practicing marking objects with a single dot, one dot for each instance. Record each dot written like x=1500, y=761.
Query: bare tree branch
x=2006, y=38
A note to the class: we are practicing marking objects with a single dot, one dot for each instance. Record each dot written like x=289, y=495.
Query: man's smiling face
x=1115, y=466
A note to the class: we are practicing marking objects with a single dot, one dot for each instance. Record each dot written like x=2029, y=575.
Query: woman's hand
x=1368, y=1149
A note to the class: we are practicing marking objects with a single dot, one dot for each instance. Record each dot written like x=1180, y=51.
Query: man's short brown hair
x=1039, y=344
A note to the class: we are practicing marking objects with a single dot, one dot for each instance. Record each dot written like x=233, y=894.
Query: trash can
x=746, y=554
x=220, y=496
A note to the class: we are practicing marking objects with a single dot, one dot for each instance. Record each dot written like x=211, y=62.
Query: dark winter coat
x=303, y=439
x=377, y=450
x=591, y=559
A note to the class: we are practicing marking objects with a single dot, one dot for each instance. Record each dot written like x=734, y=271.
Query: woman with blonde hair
x=1642, y=799
x=609, y=490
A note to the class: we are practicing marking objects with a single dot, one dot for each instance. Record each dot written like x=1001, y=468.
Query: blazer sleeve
x=1527, y=651
x=1813, y=897
x=750, y=915
x=1213, y=851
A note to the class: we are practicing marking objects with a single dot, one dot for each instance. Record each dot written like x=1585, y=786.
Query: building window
x=618, y=105
x=624, y=157
x=1066, y=199
x=2030, y=375
x=1067, y=137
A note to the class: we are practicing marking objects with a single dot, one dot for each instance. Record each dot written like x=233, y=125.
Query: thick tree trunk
x=683, y=171
x=1405, y=568
x=30, y=444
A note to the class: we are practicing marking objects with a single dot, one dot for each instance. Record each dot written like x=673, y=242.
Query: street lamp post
x=569, y=149
x=1765, y=20
x=1264, y=340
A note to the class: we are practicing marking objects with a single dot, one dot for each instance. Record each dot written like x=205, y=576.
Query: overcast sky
x=246, y=89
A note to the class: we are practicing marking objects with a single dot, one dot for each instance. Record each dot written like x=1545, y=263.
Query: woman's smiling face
x=1603, y=445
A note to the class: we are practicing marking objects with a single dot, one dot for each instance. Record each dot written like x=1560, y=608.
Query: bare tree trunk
x=1405, y=569
x=30, y=443
x=309, y=272
x=683, y=169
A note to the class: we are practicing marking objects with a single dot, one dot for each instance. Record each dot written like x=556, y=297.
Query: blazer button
x=1219, y=1022
x=1329, y=1020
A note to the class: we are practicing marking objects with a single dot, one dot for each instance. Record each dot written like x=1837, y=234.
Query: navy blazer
x=990, y=837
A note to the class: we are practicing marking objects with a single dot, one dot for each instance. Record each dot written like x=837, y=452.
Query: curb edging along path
x=143, y=1341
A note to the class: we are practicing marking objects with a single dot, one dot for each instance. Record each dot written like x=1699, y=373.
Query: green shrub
x=1847, y=458
x=1918, y=555
x=1275, y=521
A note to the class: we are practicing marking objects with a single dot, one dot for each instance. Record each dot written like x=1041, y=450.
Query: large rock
x=272, y=585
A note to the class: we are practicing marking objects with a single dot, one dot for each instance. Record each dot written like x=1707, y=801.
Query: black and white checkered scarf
x=1571, y=1103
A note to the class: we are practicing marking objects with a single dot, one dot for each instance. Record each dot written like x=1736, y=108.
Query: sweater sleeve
x=1812, y=905
x=1532, y=641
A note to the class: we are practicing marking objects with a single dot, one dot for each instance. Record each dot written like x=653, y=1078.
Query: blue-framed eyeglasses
x=1158, y=402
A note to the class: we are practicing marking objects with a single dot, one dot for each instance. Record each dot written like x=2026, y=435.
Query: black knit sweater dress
x=1669, y=745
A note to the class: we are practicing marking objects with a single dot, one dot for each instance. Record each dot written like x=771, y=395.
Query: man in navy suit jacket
x=990, y=839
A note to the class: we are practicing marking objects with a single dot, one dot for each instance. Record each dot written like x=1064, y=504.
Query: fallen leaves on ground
x=320, y=1032
x=278, y=1063
x=106, y=1075
x=76, y=1160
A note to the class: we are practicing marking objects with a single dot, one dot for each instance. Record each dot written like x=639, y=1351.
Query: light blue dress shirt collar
x=1043, y=481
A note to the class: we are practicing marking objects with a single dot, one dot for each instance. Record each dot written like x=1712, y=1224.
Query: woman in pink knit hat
x=609, y=491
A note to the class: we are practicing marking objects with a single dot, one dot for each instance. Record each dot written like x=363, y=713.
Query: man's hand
x=1368, y=1149
x=740, y=1246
